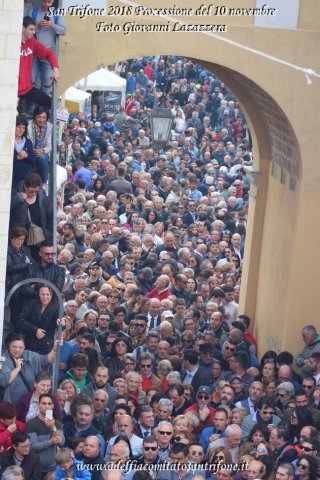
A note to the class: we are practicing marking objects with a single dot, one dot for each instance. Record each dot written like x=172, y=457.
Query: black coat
x=31, y=318
x=31, y=464
x=19, y=213
x=52, y=272
x=188, y=218
x=200, y=378
x=22, y=167
x=115, y=365
x=16, y=269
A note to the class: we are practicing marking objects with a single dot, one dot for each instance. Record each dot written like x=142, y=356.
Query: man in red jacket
x=30, y=47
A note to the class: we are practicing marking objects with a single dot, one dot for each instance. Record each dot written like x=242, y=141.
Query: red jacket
x=31, y=48
x=160, y=296
x=6, y=436
x=209, y=420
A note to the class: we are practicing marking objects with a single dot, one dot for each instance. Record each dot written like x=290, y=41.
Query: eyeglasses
x=129, y=363
x=24, y=445
x=307, y=449
x=302, y=465
x=164, y=433
x=203, y=397
x=150, y=449
x=146, y=366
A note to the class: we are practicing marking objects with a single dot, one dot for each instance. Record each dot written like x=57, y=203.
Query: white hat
x=167, y=314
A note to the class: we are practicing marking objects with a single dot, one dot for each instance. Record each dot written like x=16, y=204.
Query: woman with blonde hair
x=238, y=415
x=164, y=367
x=69, y=387
x=180, y=423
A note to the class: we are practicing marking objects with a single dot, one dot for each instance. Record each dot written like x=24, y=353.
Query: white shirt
x=189, y=376
x=251, y=406
x=135, y=442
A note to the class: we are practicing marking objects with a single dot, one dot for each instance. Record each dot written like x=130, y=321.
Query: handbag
x=35, y=236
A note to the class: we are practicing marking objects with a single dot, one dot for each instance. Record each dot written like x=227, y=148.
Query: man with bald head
x=119, y=453
x=91, y=456
x=162, y=289
x=232, y=440
x=285, y=374
x=154, y=314
x=102, y=304
x=255, y=393
x=124, y=425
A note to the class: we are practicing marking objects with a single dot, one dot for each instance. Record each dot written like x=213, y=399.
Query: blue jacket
x=79, y=472
x=22, y=167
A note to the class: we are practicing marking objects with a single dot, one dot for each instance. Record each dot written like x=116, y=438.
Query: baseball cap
x=204, y=389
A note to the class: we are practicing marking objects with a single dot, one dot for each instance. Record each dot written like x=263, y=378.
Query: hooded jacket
x=29, y=49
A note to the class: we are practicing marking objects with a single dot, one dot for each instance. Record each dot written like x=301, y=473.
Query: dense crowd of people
x=157, y=367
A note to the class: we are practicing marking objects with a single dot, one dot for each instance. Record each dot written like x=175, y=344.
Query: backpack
x=35, y=13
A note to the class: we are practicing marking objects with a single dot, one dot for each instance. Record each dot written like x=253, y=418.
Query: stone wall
x=10, y=38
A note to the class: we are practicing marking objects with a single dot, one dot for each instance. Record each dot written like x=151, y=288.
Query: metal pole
x=55, y=371
x=54, y=153
x=53, y=165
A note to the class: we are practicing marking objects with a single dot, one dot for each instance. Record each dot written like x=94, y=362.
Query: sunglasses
x=302, y=465
x=307, y=449
x=150, y=449
x=203, y=397
x=164, y=433
x=178, y=439
x=193, y=452
x=140, y=325
x=146, y=366
x=113, y=296
x=219, y=458
x=109, y=343
x=309, y=387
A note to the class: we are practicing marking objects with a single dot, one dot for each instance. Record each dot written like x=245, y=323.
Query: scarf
x=39, y=134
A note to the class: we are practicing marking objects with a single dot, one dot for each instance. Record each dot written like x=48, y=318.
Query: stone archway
x=271, y=280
